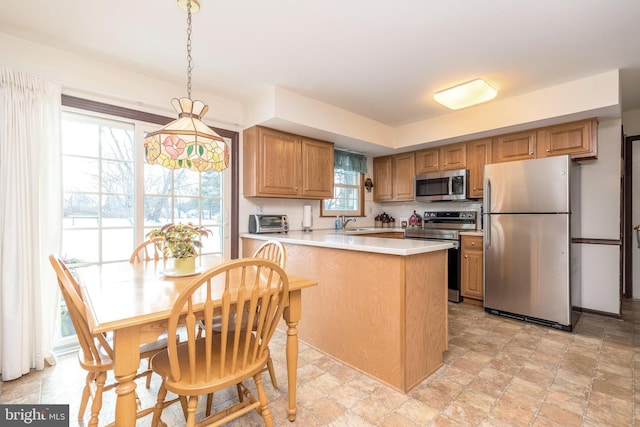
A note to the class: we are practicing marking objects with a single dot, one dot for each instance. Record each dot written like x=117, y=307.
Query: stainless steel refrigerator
x=528, y=211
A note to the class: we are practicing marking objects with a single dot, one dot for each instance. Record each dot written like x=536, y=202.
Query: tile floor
x=497, y=372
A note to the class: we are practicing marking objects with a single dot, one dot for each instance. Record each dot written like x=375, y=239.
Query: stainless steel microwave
x=268, y=223
x=439, y=186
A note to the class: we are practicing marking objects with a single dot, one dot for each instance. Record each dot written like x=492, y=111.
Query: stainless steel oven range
x=446, y=226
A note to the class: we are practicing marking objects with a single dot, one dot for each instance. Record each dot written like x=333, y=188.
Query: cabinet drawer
x=472, y=242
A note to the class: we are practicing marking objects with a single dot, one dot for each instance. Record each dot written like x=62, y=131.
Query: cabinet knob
x=473, y=243
x=548, y=150
x=531, y=153
x=466, y=256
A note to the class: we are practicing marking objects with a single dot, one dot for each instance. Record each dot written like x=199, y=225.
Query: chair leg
x=272, y=372
x=192, y=405
x=264, y=402
x=149, y=373
x=209, y=404
x=86, y=392
x=96, y=405
x=183, y=404
x=157, y=411
x=240, y=393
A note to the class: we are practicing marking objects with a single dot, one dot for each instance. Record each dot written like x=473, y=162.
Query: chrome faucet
x=344, y=221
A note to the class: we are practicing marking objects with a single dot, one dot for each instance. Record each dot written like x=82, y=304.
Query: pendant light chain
x=187, y=142
x=189, y=59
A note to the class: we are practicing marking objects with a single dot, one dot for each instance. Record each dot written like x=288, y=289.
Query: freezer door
x=527, y=265
x=538, y=185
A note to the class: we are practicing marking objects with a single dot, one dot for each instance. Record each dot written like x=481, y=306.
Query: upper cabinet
x=394, y=177
x=579, y=139
x=478, y=155
x=383, y=178
x=427, y=160
x=514, y=146
x=448, y=157
x=280, y=164
x=317, y=169
x=453, y=157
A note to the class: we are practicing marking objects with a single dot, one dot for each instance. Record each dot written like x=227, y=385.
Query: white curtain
x=30, y=220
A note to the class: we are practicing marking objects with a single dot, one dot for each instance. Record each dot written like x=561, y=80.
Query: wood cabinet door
x=383, y=179
x=404, y=177
x=317, y=169
x=427, y=160
x=478, y=155
x=453, y=157
x=472, y=274
x=278, y=163
x=579, y=139
x=515, y=146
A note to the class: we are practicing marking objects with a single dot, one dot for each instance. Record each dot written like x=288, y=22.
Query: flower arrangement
x=180, y=240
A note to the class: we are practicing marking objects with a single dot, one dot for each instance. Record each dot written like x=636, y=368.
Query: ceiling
x=378, y=58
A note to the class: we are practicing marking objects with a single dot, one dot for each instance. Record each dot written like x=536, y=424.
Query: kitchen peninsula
x=380, y=304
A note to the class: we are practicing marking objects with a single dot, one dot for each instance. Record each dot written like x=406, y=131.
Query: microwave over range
x=440, y=186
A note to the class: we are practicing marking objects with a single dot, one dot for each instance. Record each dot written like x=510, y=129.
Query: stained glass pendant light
x=187, y=142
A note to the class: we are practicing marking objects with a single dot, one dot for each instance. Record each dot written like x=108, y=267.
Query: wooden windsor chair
x=249, y=290
x=96, y=354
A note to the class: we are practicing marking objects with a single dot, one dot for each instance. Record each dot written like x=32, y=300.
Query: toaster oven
x=259, y=223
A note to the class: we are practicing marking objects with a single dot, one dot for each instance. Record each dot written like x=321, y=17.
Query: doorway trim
x=627, y=209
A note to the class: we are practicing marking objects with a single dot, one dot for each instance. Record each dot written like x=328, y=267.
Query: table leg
x=126, y=364
x=291, y=316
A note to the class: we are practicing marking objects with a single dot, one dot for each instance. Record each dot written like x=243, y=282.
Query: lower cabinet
x=472, y=273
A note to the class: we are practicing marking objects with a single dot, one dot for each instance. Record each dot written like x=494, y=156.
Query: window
x=98, y=163
x=185, y=196
x=348, y=195
x=348, y=198
x=107, y=210
x=112, y=198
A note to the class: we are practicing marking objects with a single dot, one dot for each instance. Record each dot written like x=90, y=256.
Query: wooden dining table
x=133, y=301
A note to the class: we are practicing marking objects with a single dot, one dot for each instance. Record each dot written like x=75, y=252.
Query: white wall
x=631, y=122
x=598, y=265
x=600, y=186
x=103, y=82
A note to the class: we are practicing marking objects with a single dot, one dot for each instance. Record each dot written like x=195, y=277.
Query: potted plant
x=180, y=241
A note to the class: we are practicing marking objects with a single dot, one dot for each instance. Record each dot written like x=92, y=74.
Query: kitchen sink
x=357, y=230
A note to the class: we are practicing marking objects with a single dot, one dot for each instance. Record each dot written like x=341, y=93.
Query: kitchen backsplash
x=294, y=208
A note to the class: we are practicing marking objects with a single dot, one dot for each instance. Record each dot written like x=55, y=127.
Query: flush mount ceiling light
x=466, y=94
x=187, y=142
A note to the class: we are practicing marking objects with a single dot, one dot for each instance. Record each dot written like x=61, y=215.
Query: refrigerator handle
x=487, y=197
x=487, y=232
x=637, y=228
x=487, y=222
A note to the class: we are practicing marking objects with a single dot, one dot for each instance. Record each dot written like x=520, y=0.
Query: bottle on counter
x=337, y=223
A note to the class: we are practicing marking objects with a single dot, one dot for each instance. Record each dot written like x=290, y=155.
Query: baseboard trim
x=597, y=312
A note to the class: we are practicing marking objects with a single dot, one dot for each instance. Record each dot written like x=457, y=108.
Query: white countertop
x=355, y=240
x=472, y=233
